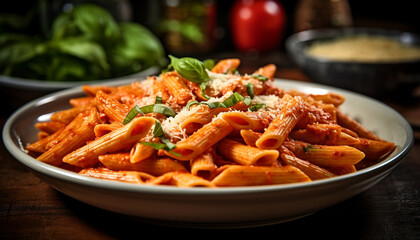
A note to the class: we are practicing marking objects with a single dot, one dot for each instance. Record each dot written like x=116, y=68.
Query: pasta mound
x=168, y=130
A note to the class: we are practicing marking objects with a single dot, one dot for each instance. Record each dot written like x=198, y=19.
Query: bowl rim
x=295, y=42
x=44, y=85
x=65, y=175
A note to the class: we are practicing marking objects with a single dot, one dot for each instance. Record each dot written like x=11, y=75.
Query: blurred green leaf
x=137, y=49
x=86, y=50
x=88, y=21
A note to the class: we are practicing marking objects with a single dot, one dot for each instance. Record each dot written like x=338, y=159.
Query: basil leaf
x=190, y=68
x=156, y=146
x=260, y=77
x=158, y=100
x=159, y=146
x=209, y=64
x=233, y=99
x=158, y=108
x=154, y=108
x=158, y=130
x=132, y=114
x=215, y=104
x=250, y=90
x=159, y=133
x=168, y=143
x=256, y=107
x=190, y=103
x=167, y=69
x=247, y=100
x=203, y=86
x=227, y=103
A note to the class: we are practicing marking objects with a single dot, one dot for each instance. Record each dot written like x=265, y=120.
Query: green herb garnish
x=227, y=103
x=308, y=148
x=190, y=68
x=250, y=90
x=255, y=107
x=260, y=77
x=159, y=133
x=154, y=108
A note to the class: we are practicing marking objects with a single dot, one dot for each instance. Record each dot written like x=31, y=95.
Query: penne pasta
x=324, y=134
x=347, y=122
x=196, y=127
x=201, y=140
x=246, y=155
x=140, y=152
x=261, y=175
x=122, y=176
x=267, y=71
x=153, y=166
x=250, y=137
x=49, y=127
x=283, y=124
x=255, y=121
x=313, y=171
x=204, y=165
x=73, y=136
x=113, y=109
x=181, y=179
x=324, y=155
x=176, y=87
x=226, y=65
x=118, y=139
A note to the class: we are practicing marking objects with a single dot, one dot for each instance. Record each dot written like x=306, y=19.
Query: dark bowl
x=379, y=80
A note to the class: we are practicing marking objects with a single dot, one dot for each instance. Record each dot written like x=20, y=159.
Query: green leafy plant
x=84, y=44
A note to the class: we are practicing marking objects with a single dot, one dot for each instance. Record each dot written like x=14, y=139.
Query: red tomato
x=257, y=24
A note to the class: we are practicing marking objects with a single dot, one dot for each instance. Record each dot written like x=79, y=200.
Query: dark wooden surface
x=30, y=209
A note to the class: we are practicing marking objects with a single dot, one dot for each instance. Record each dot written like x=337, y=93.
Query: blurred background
x=254, y=31
x=205, y=27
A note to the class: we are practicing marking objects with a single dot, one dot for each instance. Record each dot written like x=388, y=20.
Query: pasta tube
x=256, y=121
x=246, y=155
x=151, y=165
x=313, y=171
x=122, y=176
x=283, y=124
x=118, y=139
x=237, y=175
x=204, y=165
x=324, y=155
x=73, y=136
x=201, y=140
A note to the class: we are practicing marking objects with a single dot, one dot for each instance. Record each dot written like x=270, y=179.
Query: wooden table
x=30, y=209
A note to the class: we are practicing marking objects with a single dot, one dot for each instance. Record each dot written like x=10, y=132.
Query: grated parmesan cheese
x=271, y=102
x=219, y=81
x=171, y=124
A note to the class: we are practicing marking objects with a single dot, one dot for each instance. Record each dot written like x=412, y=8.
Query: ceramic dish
x=220, y=207
x=18, y=91
x=376, y=79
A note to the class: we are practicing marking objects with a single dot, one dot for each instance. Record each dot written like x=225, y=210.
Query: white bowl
x=220, y=207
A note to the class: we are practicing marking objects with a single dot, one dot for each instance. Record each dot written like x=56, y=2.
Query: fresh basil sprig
x=190, y=68
x=193, y=70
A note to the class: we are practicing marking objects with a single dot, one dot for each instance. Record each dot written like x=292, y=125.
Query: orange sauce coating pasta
x=266, y=136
